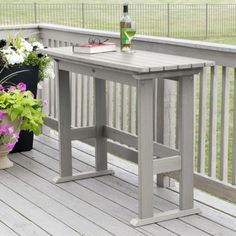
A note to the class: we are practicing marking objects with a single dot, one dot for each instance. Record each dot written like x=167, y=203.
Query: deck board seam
x=23, y=216
x=217, y=209
x=63, y=190
x=39, y=207
x=76, y=182
x=7, y=225
x=122, y=221
x=200, y=202
x=183, y=221
x=201, y=216
x=107, y=198
x=50, y=197
x=74, y=146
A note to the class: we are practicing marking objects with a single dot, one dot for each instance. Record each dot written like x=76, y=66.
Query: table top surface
x=138, y=62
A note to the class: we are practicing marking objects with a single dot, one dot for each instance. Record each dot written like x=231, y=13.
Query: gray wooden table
x=138, y=69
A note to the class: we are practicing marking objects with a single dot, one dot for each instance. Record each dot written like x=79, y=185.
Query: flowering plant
x=20, y=104
x=18, y=51
x=8, y=134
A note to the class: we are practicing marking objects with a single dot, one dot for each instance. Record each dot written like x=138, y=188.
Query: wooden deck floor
x=30, y=204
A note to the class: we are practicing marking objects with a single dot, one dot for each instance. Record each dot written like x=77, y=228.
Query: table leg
x=145, y=147
x=145, y=154
x=186, y=132
x=65, y=132
x=100, y=121
x=64, y=124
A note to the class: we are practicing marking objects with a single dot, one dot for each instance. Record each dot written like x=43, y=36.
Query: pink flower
x=45, y=102
x=5, y=128
x=10, y=146
x=15, y=137
x=1, y=115
x=21, y=86
x=11, y=130
x=11, y=88
x=1, y=88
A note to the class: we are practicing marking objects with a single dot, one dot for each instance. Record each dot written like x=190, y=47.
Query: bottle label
x=125, y=39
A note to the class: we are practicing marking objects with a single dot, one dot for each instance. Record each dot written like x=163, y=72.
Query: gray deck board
x=31, y=211
x=98, y=206
x=4, y=230
x=127, y=188
x=128, y=175
x=62, y=213
x=68, y=200
x=18, y=222
x=80, y=192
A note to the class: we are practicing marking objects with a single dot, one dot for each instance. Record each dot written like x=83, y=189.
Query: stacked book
x=91, y=48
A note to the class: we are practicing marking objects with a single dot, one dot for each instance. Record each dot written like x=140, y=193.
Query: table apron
x=123, y=77
x=169, y=75
x=98, y=72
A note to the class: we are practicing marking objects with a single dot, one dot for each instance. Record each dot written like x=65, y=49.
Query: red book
x=93, y=48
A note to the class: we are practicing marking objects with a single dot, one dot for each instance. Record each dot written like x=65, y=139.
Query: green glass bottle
x=127, y=30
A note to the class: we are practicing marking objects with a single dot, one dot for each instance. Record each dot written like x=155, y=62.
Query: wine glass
x=130, y=35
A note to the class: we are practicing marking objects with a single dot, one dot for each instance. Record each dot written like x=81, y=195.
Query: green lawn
x=121, y=1
x=223, y=40
x=176, y=20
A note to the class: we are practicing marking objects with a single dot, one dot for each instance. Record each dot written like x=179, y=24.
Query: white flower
x=8, y=51
x=40, y=85
x=38, y=45
x=13, y=57
x=22, y=50
x=49, y=72
x=28, y=47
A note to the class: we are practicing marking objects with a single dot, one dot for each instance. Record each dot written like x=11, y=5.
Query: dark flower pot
x=31, y=79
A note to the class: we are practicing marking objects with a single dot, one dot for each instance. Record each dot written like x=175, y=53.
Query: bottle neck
x=125, y=9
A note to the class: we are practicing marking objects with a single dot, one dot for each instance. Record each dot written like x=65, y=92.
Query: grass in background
x=223, y=40
x=122, y=1
x=195, y=21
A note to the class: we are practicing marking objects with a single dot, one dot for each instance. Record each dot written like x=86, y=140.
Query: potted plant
x=18, y=54
x=19, y=110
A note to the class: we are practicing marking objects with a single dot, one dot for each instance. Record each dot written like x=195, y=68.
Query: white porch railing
x=215, y=102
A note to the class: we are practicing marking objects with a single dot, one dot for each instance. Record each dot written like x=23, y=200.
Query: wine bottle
x=126, y=31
